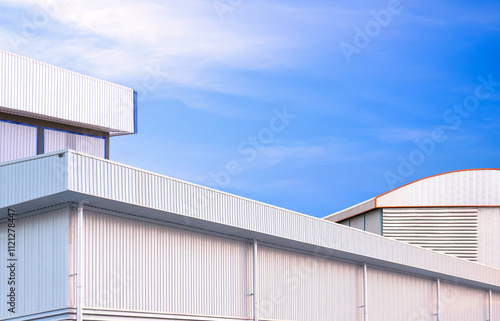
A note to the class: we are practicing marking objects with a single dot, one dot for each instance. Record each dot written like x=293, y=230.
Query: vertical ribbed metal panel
x=373, y=221
x=495, y=307
x=41, y=90
x=294, y=286
x=396, y=297
x=358, y=222
x=56, y=140
x=42, y=263
x=17, y=141
x=452, y=231
x=26, y=180
x=462, y=188
x=489, y=236
x=463, y=303
x=142, y=266
x=117, y=182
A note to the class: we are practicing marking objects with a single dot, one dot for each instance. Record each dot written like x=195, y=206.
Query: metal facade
x=461, y=188
x=396, y=297
x=42, y=271
x=297, y=286
x=489, y=236
x=139, y=266
x=470, y=188
x=17, y=141
x=56, y=140
x=373, y=221
x=461, y=303
x=74, y=176
x=35, y=89
x=453, y=231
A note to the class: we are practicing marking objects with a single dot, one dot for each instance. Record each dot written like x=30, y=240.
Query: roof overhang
x=38, y=90
x=464, y=188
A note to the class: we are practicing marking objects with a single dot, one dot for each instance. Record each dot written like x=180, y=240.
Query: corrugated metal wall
x=42, y=272
x=453, y=231
x=148, y=267
x=40, y=89
x=462, y=188
x=17, y=141
x=462, y=303
x=489, y=236
x=113, y=181
x=370, y=221
x=495, y=306
x=373, y=221
x=358, y=222
x=396, y=297
x=27, y=180
x=295, y=286
x=56, y=140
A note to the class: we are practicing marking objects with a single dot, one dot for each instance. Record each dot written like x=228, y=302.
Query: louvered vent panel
x=451, y=231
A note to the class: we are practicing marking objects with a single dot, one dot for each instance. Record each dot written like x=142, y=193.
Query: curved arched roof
x=472, y=187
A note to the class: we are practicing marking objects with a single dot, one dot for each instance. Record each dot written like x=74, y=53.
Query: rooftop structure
x=44, y=108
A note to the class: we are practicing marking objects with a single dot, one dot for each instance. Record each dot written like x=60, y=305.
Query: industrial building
x=99, y=240
x=456, y=213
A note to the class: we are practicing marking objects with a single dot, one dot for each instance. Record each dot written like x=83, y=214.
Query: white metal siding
x=294, y=286
x=463, y=188
x=463, y=303
x=495, y=307
x=111, y=185
x=42, y=273
x=17, y=141
x=373, y=221
x=396, y=297
x=358, y=222
x=28, y=180
x=489, y=236
x=452, y=231
x=44, y=91
x=56, y=140
x=141, y=266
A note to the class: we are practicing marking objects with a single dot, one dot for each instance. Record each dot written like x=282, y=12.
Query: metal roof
x=35, y=89
x=31, y=184
x=464, y=188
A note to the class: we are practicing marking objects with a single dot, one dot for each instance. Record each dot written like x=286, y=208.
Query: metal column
x=438, y=300
x=489, y=308
x=365, y=291
x=79, y=258
x=255, y=314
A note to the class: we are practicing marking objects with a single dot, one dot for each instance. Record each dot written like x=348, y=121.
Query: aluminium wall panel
x=40, y=90
x=373, y=221
x=296, y=286
x=17, y=141
x=462, y=188
x=56, y=140
x=463, y=303
x=395, y=297
x=118, y=183
x=495, y=306
x=28, y=180
x=140, y=266
x=358, y=222
x=41, y=274
x=489, y=236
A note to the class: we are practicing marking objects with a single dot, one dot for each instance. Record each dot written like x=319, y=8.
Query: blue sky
x=309, y=105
